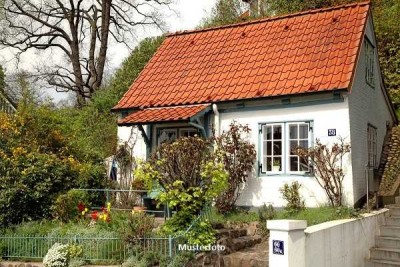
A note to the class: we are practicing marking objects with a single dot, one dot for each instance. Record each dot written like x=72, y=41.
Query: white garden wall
x=341, y=243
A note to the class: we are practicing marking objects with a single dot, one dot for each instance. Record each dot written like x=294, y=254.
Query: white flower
x=57, y=256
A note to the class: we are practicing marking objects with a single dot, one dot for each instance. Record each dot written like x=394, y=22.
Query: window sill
x=302, y=174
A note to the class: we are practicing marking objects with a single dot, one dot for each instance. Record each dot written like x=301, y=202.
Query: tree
x=79, y=30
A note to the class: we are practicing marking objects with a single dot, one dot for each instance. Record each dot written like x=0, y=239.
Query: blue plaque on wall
x=278, y=247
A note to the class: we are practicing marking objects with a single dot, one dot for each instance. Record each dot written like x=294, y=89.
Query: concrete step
x=387, y=242
x=390, y=231
x=389, y=254
x=231, y=233
x=244, y=242
x=382, y=263
x=393, y=220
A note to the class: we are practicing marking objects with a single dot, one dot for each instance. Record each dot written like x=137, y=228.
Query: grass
x=311, y=215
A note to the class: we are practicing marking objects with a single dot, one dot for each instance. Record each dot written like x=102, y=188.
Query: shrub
x=67, y=206
x=57, y=256
x=265, y=213
x=328, y=167
x=238, y=156
x=291, y=194
x=187, y=173
x=139, y=225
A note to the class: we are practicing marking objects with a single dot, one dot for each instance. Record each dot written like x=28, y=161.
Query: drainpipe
x=216, y=119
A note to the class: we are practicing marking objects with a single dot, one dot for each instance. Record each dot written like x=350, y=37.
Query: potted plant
x=276, y=167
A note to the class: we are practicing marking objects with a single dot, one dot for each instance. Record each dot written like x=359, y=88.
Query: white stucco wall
x=265, y=189
x=366, y=105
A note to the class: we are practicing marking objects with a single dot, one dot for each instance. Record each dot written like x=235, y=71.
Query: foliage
x=238, y=156
x=36, y=164
x=75, y=251
x=265, y=213
x=186, y=172
x=181, y=259
x=201, y=233
x=328, y=165
x=321, y=214
x=57, y=256
x=148, y=259
x=139, y=225
x=66, y=206
x=291, y=193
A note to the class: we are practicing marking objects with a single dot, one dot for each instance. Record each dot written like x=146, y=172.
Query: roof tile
x=298, y=53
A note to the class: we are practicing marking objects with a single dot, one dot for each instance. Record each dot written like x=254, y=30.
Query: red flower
x=94, y=215
x=81, y=206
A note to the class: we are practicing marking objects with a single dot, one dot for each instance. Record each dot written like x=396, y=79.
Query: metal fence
x=95, y=249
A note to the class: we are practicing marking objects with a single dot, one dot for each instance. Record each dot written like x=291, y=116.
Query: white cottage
x=292, y=78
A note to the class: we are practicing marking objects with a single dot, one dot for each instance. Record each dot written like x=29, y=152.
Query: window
x=279, y=142
x=372, y=148
x=171, y=134
x=369, y=62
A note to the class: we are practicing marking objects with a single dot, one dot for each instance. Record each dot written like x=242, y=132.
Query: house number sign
x=331, y=132
x=278, y=247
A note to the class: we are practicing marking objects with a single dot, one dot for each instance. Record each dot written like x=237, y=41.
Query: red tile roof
x=299, y=53
x=155, y=115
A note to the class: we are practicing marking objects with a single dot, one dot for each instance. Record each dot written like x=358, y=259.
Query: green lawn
x=311, y=215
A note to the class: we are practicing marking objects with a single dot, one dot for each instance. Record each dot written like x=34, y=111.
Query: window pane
x=277, y=163
x=303, y=131
x=278, y=148
x=267, y=164
x=303, y=144
x=293, y=131
x=293, y=146
x=267, y=132
x=304, y=165
x=277, y=132
x=294, y=163
x=267, y=148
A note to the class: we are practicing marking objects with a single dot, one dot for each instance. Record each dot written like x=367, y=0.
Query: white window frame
x=272, y=149
x=285, y=168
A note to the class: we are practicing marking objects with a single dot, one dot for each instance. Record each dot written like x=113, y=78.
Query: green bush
x=66, y=205
x=57, y=256
x=291, y=193
x=265, y=213
x=189, y=177
x=139, y=225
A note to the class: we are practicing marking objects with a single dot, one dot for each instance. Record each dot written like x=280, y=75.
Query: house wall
x=366, y=105
x=262, y=188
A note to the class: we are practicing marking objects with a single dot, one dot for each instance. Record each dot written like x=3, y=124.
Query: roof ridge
x=256, y=21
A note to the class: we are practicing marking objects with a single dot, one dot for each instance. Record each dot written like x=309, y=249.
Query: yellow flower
x=83, y=213
x=86, y=209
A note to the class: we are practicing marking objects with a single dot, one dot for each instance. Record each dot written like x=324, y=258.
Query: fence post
x=287, y=243
x=170, y=246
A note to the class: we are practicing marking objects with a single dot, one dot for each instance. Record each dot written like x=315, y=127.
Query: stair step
x=387, y=242
x=382, y=263
x=232, y=233
x=389, y=254
x=244, y=242
x=393, y=220
x=391, y=231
